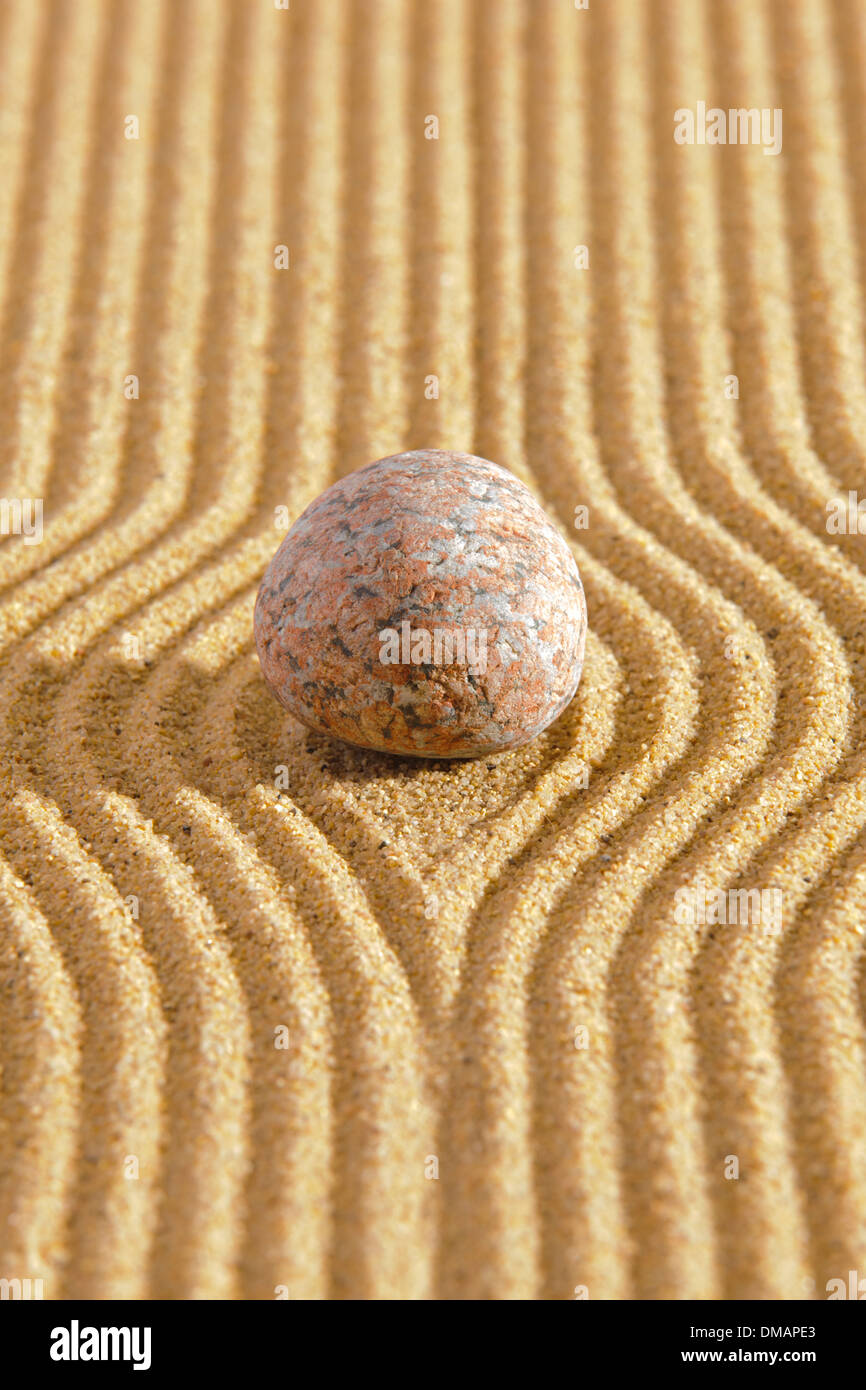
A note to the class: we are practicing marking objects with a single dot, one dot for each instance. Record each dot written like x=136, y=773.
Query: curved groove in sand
x=227, y=1024
x=645, y=512
x=97, y=351
x=802, y=847
x=147, y=492
x=287, y=1197
x=41, y=1104
x=348, y=947
x=97, y=673
x=121, y=1057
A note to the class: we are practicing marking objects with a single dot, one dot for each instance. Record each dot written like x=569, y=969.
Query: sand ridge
x=185, y=872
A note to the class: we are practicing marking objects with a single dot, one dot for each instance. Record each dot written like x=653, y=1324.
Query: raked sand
x=280, y=1017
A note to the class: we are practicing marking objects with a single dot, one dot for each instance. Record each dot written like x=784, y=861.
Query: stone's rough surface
x=423, y=605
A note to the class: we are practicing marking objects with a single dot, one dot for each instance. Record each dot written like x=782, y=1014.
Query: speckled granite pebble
x=423, y=605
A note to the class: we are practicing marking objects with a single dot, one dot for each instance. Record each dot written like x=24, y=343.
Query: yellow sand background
x=431, y=936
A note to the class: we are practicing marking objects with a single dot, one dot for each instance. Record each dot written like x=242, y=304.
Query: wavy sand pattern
x=187, y=877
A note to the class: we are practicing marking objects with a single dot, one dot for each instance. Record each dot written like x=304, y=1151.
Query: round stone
x=423, y=605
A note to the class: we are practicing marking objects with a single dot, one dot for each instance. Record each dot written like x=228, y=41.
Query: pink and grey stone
x=423, y=542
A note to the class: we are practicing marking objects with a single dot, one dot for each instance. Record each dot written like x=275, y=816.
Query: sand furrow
x=202, y=1256
x=848, y=32
x=760, y=268
x=379, y=1065
x=287, y=1229
x=121, y=1054
x=108, y=669
x=302, y=353
x=498, y=38
x=827, y=290
x=21, y=42
x=38, y=286
x=40, y=1106
x=205, y=1027
x=155, y=468
x=93, y=375
x=574, y=482
x=822, y=1030
x=374, y=286
x=728, y=486
x=494, y=1169
x=439, y=351
x=676, y=520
